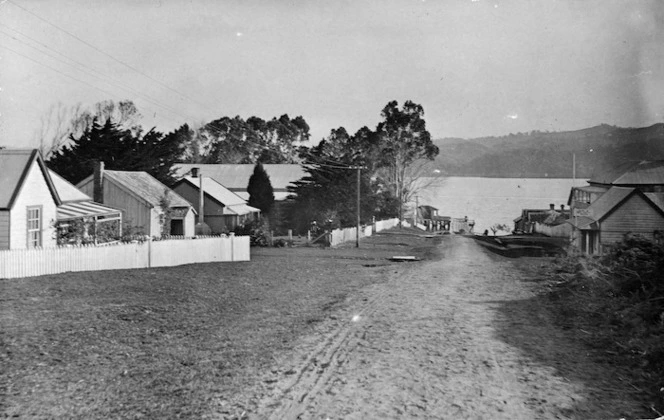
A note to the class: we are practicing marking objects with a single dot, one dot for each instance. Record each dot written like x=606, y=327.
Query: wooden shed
x=141, y=197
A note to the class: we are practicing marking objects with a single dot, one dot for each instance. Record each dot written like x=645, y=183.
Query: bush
x=256, y=231
x=622, y=296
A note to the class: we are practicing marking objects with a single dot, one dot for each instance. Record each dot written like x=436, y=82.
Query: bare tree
x=412, y=180
x=62, y=122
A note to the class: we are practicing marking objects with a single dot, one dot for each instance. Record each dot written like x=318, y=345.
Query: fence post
x=232, y=236
x=150, y=252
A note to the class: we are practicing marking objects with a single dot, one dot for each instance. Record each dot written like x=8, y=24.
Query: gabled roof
x=214, y=190
x=236, y=177
x=641, y=173
x=657, y=199
x=608, y=201
x=143, y=186
x=67, y=191
x=613, y=198
x=233, y=203
x=15, y=165
x=583, y=222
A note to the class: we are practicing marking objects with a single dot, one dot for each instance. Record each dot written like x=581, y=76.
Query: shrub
x=256, y=231
x=622, y=296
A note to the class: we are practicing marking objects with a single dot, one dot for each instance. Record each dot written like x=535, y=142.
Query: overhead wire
x=60, y=72
x=90, y=71
x=99, y=50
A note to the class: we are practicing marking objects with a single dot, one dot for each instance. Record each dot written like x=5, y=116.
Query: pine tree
x=261, y=193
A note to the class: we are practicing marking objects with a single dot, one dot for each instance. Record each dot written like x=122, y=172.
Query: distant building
x=235, y=177
x=530, y=218
x=430, y=218
x=223, y=210
x=141, y=197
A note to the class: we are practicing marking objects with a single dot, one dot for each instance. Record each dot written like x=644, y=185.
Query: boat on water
x=515, y=246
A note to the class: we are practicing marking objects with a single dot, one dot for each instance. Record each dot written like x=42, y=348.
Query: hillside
x=545, y=154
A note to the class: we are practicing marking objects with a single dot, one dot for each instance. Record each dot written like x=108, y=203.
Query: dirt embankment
x=459, y=337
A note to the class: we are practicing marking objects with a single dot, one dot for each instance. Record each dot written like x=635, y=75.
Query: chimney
x=194, y=172
x=552, y=206
x=562, y=208
x=98, y=182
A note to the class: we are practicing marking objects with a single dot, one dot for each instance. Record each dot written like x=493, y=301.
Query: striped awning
x=81, y=209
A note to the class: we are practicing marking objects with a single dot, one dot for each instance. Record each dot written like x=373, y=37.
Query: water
x=494, y=200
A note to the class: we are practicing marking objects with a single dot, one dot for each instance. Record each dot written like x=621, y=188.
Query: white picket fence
x=339, y=236
x=164, y=253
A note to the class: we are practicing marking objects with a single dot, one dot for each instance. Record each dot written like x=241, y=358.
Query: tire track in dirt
x=308, y=377
x=424, y=345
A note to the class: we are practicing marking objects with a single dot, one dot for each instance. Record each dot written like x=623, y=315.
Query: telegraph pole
x=357, y=235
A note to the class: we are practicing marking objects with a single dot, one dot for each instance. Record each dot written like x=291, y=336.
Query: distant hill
x=549, y=154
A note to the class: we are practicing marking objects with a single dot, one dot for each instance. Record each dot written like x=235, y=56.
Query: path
x=427, y=345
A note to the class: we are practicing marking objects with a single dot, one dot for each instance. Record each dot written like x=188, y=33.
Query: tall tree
x=120, y=149
x=234, y=140
x=404, y=140
x=261, y=193
x=329, y=191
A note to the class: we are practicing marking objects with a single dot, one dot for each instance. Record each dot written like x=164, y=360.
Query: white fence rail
x=386, y=224
x=560, y=231
x=339, y=236
x=37, y=262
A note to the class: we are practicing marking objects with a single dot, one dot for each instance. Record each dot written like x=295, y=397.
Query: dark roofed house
x=141, y=197
x=532, y=217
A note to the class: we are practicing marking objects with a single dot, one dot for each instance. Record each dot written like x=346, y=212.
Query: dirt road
x=458, y=337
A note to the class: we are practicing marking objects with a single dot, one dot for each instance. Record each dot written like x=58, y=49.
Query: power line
x=106, y=54
x=58, y=71
x=90, y=71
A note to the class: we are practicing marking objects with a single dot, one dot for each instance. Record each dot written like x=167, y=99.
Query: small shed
x=143, y=200
x=223, y=210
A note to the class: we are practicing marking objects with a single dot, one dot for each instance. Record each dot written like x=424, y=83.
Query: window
x=34, y=226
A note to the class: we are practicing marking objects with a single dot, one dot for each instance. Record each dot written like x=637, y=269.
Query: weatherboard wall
x=136, y=212
x=213, y=213
x=636, y=216
x=4, y=229
x=34, y=192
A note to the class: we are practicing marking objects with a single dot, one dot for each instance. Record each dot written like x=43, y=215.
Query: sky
x=478, y=67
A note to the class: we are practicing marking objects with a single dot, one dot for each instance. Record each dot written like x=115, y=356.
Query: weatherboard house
x=35, y=202
x=223, y=210
x=235, y=177
x=143, y=200
x=626, y=200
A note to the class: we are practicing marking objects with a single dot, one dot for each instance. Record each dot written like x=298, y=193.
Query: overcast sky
x=478, y=67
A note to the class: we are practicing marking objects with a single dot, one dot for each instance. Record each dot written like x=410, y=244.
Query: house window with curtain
x=34, y=226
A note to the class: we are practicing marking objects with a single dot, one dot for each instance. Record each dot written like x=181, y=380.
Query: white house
x=35, y=201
